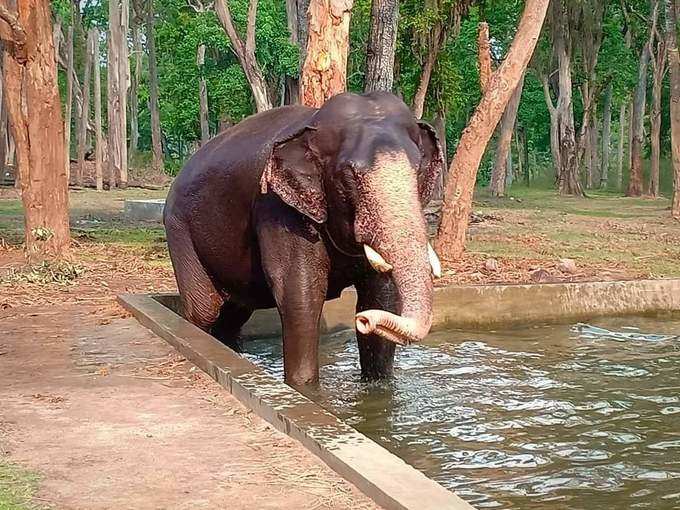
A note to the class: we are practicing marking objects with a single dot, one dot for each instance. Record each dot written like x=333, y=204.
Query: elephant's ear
x=292, y=173
x=432, y=162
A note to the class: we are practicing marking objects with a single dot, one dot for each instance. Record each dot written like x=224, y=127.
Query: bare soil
x=106, y=413
x=110, y=416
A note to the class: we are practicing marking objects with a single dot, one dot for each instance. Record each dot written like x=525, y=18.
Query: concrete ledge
x=492, y=306
x=144, y=210
x=382, y=476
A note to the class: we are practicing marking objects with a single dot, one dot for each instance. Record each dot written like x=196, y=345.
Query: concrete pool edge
x=485, y=307
x=381, y=475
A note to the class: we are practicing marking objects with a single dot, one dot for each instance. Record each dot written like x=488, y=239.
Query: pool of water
x=569, y=416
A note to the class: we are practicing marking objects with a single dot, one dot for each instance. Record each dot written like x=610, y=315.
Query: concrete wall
x=493, y=306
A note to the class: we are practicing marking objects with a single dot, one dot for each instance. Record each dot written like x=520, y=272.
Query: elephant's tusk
x=377, y=262
x=434, y=261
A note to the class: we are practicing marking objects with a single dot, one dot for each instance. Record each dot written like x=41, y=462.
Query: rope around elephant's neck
x=335, y=245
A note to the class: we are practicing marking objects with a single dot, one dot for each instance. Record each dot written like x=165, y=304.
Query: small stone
x=540, y=276
x=492, y=265
x=567, y=266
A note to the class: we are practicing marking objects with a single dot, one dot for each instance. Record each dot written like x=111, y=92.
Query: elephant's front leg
x=296, y=266
x=376, y=355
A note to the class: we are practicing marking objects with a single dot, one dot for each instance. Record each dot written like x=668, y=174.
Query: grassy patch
x=17, y=487
x=122, y=235
x=10, y=207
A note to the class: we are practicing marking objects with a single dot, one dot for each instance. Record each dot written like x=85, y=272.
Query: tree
x=117, y=92
x=30, y=89
x=382, y=44
x=298, y=26
x=203, y=94
x=156, y=144
x=99, y=137
x=460, y=186
x=432, y=39
x=85, y=110
x=324, y=73
x=658, y=62
x=245, y=51
x=639, y=103
x=69, y=101
x=499, y=174
x=568, y=179
x=674, y=67
x=136, y=75
x=606, y=136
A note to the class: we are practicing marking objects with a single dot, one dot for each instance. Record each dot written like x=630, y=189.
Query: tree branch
x=250, y=30
x=484, y=56
x=224, y=15
x=546, y=92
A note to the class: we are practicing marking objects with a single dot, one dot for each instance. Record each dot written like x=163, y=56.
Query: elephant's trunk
x=389, y=219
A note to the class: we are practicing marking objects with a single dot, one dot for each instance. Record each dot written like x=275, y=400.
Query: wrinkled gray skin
x=276, y=211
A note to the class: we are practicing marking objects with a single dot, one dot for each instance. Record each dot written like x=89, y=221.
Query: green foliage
x=453, y=89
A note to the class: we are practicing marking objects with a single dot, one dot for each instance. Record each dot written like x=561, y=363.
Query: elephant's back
x=214, y=193
x=243, y=147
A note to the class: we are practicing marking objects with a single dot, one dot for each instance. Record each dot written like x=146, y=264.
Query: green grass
x=10, y=208
x=17, y=487
x=127, y=235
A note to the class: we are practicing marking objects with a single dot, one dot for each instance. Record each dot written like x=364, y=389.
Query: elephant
x=291, y=206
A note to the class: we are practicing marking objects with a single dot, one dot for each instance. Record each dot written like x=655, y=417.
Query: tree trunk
x=382, y=44
x=473, y=142
x=117, y=93
x=635, y=182
x=659, y=71
x=594, y=145
x=32, y=99
x=298, y=26
x=137, y=17
x=99, y=138
x=440, y=128
x=484, y=56
x=85, y=110
x=568, y=177
x=245, y=51
x=156, y=144
x=554, y=128
x=424, y=83
x=674, y=68
x=324, y=73
x=203, y=94
x=622, y=141
x=69, y=101
x=606, y=136
x=4, y=126
x=523, y=150
x=500, y=171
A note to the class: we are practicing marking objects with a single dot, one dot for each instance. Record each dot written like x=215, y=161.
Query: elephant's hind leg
x=201, y=302
x=228, y=326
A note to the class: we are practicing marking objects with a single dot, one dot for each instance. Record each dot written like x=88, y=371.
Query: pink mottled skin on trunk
x=390, y=220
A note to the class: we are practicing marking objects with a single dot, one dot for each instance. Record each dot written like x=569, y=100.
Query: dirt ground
x=109, y=416
x=103, y=412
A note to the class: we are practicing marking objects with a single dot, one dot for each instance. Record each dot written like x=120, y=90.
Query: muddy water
x=563, y=416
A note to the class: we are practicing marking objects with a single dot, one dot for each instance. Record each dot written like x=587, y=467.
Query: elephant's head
x=364, y=167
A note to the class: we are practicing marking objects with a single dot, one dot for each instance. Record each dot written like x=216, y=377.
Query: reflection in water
x=541, y=418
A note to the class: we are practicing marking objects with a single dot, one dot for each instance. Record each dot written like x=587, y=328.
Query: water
x=563, y=416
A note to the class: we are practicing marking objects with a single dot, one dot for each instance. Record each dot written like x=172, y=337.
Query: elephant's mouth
x=397, y=329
